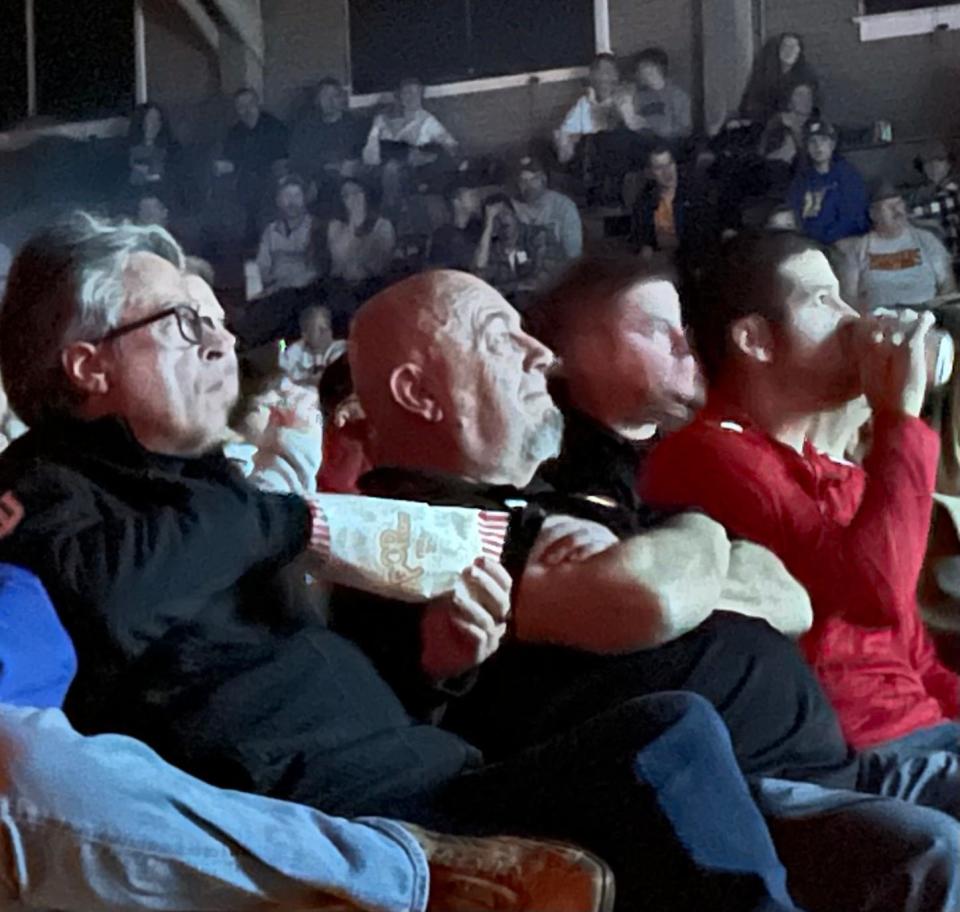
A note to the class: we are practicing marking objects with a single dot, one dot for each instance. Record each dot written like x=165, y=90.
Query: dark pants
x=652, y=786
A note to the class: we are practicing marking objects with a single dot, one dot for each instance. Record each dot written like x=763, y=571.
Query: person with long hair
x=781, y=66
x=360, y=240
x=152, y=145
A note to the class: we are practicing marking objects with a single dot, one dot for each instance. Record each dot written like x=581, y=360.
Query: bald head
x=404, y=322
x=450, y=382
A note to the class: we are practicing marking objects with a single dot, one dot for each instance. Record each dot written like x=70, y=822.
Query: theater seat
x=37, y=658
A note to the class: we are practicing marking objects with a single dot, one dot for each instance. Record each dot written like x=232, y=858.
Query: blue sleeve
x=852, y=209
x=37, y=658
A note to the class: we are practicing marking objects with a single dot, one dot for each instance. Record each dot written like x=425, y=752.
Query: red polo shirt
x=855, y=538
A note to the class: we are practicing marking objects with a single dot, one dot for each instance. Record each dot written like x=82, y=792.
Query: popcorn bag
x=398, y=548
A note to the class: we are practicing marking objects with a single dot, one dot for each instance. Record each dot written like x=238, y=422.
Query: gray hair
x=65, y=286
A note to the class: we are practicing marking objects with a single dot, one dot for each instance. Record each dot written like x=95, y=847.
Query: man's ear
x=410, y=393
x=751, y=336
x=85, y=368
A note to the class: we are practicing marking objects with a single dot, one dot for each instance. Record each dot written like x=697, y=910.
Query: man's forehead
x=202, y=296
x=656, y=298
x=148, y=278
x=810, y=269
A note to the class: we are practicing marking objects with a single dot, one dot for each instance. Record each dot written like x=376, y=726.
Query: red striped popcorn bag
x=399, y=548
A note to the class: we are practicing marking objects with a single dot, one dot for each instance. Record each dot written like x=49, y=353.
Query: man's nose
x=217, y=341
x=538, y=356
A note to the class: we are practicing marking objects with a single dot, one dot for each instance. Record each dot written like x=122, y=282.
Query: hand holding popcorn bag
x=398, y=548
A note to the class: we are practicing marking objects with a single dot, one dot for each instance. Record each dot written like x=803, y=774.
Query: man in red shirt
x=778, y=346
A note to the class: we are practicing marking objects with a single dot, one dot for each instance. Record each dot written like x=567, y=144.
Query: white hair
x=66, y=285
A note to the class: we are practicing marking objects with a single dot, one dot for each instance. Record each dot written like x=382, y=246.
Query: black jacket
x=165, y=573
x=779, y=718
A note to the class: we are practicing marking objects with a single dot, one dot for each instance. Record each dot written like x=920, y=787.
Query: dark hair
x=498, y=197
x=137, y=118
x=331, y=81
x=373, y=205
x=655, y=55
x=291, y=180
x=584, y=290
x=786, y=94
x=783, y=36
x=659, y=147
x=336, y=383
x=410, y=80
x=743, y=278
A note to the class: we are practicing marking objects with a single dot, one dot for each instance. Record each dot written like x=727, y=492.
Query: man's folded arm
x=637, y=594
x=759, y=585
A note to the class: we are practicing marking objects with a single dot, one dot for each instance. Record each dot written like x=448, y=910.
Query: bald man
x=455, y=394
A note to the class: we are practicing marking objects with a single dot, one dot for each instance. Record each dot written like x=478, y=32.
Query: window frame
x=905, y=23
x=601, y=31
x=139, y=56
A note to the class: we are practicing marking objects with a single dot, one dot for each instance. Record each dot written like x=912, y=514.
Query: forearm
x=758, y=585
x=638, y=594
x=481, y=256
x=891, y=527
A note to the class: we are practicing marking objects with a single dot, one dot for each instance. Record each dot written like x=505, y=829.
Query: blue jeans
x=652, y=786
x=103, y=824
x=868, y=852
x=942, y=737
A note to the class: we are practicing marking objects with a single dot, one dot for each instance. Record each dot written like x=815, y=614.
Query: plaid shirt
x=941, y=205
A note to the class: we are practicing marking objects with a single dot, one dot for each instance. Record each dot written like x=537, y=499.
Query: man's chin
x=545, y=441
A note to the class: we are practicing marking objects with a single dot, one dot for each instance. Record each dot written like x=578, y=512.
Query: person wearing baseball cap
x=828, y=194
x=895, y=262
x=937, y=200
x=539, y=205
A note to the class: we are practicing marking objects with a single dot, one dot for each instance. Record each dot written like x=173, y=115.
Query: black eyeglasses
x=189, y=322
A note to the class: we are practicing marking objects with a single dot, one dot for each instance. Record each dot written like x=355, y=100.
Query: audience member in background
x=778, y=345
x=546, y=208
x=937, y=200
x=408, y=140
x=780, y=66
x=672, y=216
x=151, y=209
x=593, y=138
x=305, y=360
x=828, y=194
x=153, y=151
x=760, y=183
x=287, y=257
x=326, y=142
x=596, y=109
x=511, y=256
x=255, y=152
x=454, y=244
x=657, y=104
x=795, y=112
x=895, y=262
x=344, y=431
x=360, y=241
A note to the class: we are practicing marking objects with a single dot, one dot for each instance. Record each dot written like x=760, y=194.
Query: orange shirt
x=664, y=224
